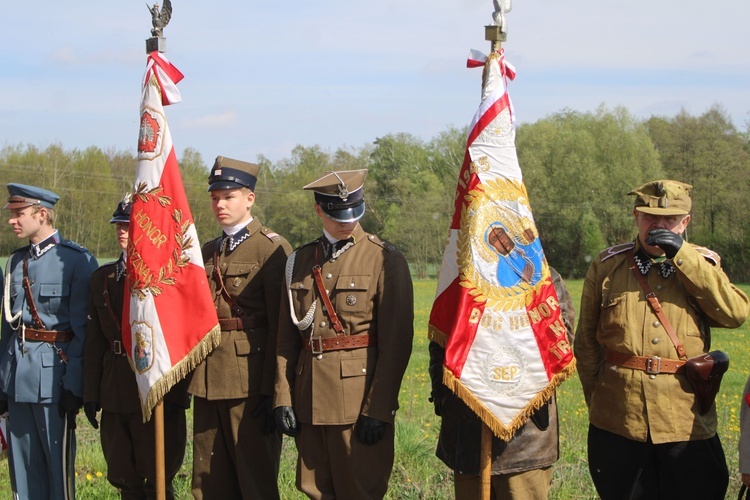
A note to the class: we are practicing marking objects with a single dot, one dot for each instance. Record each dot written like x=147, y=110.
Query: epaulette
x=107, y=264
x=313, y=242
x=74, y=245
x=709, y=255
x=270, y=234
x=615, y=250
x=381, y=243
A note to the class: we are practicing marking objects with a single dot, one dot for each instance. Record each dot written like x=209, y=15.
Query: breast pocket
x=351, y=293
x=613, y=315
x=51, y=296
x=238, y=275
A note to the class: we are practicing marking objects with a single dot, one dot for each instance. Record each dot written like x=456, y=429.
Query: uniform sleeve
x=725, y=305
x=288, y=345
x=567, y=309
x=78, y=308
x=94, y=349
x=273, y=280
x=395, y=306
x=586, y=349
x=744, y=442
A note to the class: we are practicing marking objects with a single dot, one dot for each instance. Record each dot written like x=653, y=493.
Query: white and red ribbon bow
x=167, y=76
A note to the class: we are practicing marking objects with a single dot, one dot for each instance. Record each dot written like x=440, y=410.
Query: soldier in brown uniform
x=236, y=450
x=521, y=467
x=110, y=385
x=647, y=435
x=345, y=337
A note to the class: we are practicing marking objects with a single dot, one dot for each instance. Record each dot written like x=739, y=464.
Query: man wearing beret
x=128, y=443
x=236, y=449
x=646, y=307
x=41, y=347
x=345, y=337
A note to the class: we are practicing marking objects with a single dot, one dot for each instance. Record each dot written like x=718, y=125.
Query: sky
x=263, y=76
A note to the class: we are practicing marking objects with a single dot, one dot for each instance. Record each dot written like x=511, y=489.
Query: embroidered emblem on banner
x=500, y=248
x=143, y=345
x=163, y=251
x=150, y=136
x=504, y=371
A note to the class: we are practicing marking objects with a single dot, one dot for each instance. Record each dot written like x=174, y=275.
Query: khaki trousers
x=529, y=485
x=232, y=458
x=333, y=464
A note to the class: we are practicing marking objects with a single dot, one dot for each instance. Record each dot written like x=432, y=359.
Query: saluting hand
x=286, y=420
x=666, y=240
x=369, y=430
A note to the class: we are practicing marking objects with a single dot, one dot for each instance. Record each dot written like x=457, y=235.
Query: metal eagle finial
x=498, y=17
x=160, y=18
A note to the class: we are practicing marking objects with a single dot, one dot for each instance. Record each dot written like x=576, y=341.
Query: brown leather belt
x=48, y=335
x=243, y=323
x=653, y=365
x=319, y=345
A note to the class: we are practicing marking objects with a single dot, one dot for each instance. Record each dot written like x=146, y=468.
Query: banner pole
x=161, y=488
x=485, y=462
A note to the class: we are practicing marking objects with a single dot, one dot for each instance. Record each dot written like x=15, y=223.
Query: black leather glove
x=286, y=420
x=69, y=403
x=3, y=406
x=666, y=240
x=265, y=409
x=440, y=391
x=90, y=410
x=369, y=430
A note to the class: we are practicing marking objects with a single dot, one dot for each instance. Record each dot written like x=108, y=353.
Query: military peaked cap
x=232, y=174
x=340, y=194
x=22, y=196
x=122, y=212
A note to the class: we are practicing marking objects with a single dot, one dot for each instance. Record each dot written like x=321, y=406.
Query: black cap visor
x=343, y=212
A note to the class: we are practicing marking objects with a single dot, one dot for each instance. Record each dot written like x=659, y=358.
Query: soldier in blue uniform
x=41, y=347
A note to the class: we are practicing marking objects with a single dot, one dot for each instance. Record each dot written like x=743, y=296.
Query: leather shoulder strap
x=38, y=323
x=656, y=306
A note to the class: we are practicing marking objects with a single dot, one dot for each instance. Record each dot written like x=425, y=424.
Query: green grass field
x=417, y=474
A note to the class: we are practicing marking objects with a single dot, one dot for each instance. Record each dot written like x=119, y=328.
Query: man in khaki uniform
x=109, y=384
x=647, y=436
x=236, y=451
x=345, y=337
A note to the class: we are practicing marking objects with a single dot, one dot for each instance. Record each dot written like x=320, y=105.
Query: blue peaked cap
x=22, y=196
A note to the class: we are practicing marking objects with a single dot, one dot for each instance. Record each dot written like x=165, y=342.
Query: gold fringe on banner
x=179, y=371
x=490, y=420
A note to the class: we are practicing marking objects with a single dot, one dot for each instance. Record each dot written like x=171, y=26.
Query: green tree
x=708, y=152
x=577, y=169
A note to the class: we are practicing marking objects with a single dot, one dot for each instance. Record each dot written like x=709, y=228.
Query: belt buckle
x=319, y=350
x=117, y=347
x=653, y=365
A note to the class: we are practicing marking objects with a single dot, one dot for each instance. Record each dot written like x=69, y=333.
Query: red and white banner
x=169, y=320
x=496, y=310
